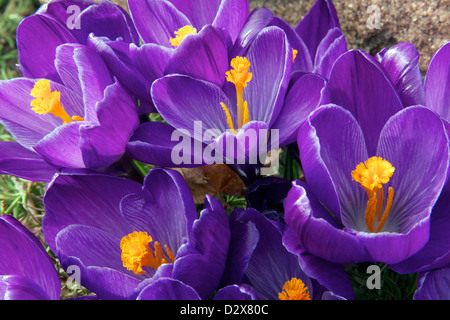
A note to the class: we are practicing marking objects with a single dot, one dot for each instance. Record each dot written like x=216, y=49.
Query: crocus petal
x=270, y=56
x=37, y=49
x=106, y=19
x=18, y=161
x=433, y=285
x=244, y=239
x=314, y=26
x=310, y=228
x=22, y=254
x=200, y=263
x=235, y=292
x=204, y=56
x=168, y=214
x=160, y=144
x=16, y=287
x=200, y=12
x=331, y=145
x=258, y=19
x=436, y=253
x=231, y=16
x=135, y=67
x=182, y=100
x=156, y=21
x=168, y=289
x=401, y=62
x=104, y=143
x=307, y=93
x=359, y=84
x=61, y=147
x=328, y=51
x=437, y=82
x=97, y=201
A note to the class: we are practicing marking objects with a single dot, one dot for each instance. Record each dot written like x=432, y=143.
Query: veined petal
x=18, y=161
x=156, y=21
x=200, y=12
x=437, y=82
x=167, y=289
x=401, y=62
x=359, y=84
x=231, y=16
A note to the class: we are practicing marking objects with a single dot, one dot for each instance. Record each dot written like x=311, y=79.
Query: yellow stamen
x=136, y=252
x=372, y=175
x=294, y=289
x=239, y=75
x=229, y=121
x=48, y=101
x=180, y=34
x=294, y=54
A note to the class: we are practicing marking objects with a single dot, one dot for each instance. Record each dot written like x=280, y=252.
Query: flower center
x=180, y=34
x=294, y=289
x=238, y=75
x=372, y=175
x=136, y=252
x=48, y=101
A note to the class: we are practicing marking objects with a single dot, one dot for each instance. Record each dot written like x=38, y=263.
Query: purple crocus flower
x=67, y=21
x=26, y=270
x=124, y=236
x=378, y=204
x=433, y=285
x=436, y=253
x=220, y=114
x=259, y=262
x=83, y=123
x=163, y=25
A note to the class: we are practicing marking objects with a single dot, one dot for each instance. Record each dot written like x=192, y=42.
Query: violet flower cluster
x=231, y=87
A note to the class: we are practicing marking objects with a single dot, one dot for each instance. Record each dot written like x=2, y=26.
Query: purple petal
x=18, y=161
x=270, y=56
x=22, y=254
x=29, y=42
x=156, y=21
x=164, y=208
x=437, y=82
x=314, y=26
x=436, y=253
x=331, y=145
x=329, y=50
x=258, y=19
x=204, y=56
x=359, y=84
x=135, y=67
x=168, y=289
x=234, y=292
x=104, y=142
x=308, y=93
x=200, y=12
x=160, y=144
x=303, y=61
x=17, y=287
x=401, y=62
x=200, y=263
x=311, y=229
x=97, y=201
x=182, y=101
x=231, y=16
x=61, y=147
x=106, y=19
x=244, y=239
x=433, y=285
